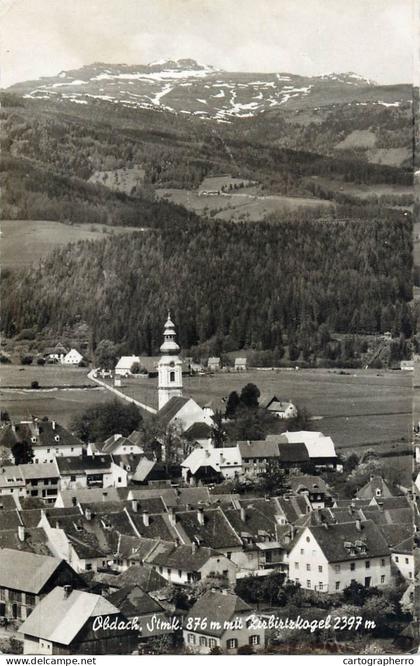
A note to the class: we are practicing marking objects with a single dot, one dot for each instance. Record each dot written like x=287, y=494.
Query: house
x=207, y=527
x=69, y=621
x=31, y=480
x=407, y=365
x=321, y=448
x=255, y=455
x=200, y=434
x=283, y=409
x=116, y=445
x=185, y=565
x=313, y=486
x=221, y=619
x=182, y=412
x=72, y=497
x=73, y=357
x=240, y=364
x=212, y=465
x=214, y=364
x=125, y=365
x=138, y=605
x=25, y=578
x=374, y=488
x=329, y=557
x=402, y=555
x=47, y=438
x=90, y=471
x=56, y=354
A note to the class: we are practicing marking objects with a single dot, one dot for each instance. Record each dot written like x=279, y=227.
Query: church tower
x=169, y=366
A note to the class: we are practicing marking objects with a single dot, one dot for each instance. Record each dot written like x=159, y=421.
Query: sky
x=373, y=38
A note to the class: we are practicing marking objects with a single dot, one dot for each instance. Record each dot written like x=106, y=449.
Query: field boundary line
x=120, y=394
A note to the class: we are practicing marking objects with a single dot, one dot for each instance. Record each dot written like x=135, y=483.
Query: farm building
x=283, y=409
x=125, y=364
x=214, y=363
x=240, y=364
x=73, y=357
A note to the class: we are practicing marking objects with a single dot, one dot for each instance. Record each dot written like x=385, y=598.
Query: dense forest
x=246, y=285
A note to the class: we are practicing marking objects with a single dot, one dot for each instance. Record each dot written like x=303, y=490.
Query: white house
x=206, y=463
x=240, y=364
x=73, y=357
x=403, y=558
x=214, y=363
x=283, y=409
x=329, y=557
x=89, y=472
x=125, y=364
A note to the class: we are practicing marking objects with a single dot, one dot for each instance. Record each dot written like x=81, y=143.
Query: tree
x=249, y=396
x=106, y=355
x=232, y=405
x=22, y=452
x=274, y=480
x=303, y=421
x=218, y=434
x=99, y=422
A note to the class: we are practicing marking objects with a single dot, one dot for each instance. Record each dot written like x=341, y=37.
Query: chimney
x=104, y=496
x=88, y=514
x=134, y=505
x=57, y=525
x=74, y=501
x=359, y=525
x=146, y=518
x=243, y=514
x=53, y=424
x=21, y=533
x=200, y=516
x=172, y=516
x=193, y=547
x=67, y=591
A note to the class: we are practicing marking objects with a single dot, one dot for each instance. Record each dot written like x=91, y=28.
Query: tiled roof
x=133, y=601
x=89, y=495
x=295, y=452
x=185, y=558
x=143, y=469
x=26, y=571
x=45, y=434
x=331, y=540
x=59, y=618
x=148, y=579
x=314, y=484
x=217, y=459
x=263, y=448
x=216, y=532
x=158, y=526
x=218, y=608
x=317, y=444
x=370, y=489
x=198, y=431
x=171, y=409
x=35, y=541
x=83, y=464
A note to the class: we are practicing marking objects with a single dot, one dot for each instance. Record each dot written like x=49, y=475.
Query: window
x=397, y=559
x=307, y=539
x=406, y=560
x=172, y=376
x=72, y=477
x=212, y=642
x=203, y=640
x=382, y=563
x=367, y=564
x=320, y=568
x=191, y=639
x=308, y=567
x=88, y=566
x=308, y=584
x=30, y=599
x=337, y=585
x=410, y=574
x=352, y=566
x=302, y=551
x=180, y=573
x=382, y=579
x=254, y=640
x=296, y=565
x=337, y=568
x=169, y=571
x=232, y=643
x=320, y=586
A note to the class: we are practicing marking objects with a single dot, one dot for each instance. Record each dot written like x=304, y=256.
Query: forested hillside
x=261, y=285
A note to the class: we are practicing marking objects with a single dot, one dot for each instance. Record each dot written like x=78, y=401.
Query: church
x=175, y=409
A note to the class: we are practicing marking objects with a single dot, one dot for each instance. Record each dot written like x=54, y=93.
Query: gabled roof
x=295, y=452
x=143, y=469
x=26, y=571
x=294, y=507
x=332, y=540
x=83, y=464
x=185, y=558
x=317, y=444
x=198, y=431
x=370, y=489
x=146, y=577
x=313, y=484
x=218, y=459
x=133, y=601
x=126, y=362
x=40, y=433
x=35, y=541
x=216, y=532
x=88, y=495
x=217, y=608
x=263, y=448
x=158, y=526
x=171, y=409
x=59, y=618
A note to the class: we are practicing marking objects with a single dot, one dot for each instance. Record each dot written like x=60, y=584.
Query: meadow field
x=48, y=376
x=248, y=205
x=26, y=242
x=359, y=409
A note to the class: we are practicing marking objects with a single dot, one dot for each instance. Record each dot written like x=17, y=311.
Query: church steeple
x=169, y=366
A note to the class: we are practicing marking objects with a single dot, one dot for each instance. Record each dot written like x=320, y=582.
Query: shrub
x=40, y=361
x=26, y=360
x=35, y=385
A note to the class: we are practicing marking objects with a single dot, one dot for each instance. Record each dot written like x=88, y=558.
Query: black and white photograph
x=209, y=355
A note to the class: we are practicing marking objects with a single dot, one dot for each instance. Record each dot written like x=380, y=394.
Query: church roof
x=171, y=408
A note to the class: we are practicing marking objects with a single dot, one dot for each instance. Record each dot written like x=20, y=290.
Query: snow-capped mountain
x=185, y=86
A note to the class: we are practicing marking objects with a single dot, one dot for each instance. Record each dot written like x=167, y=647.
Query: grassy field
x=363, y=191
x=21, y=376
x=362, y=409
x=249, y=206
x=25, y=242
x=120, y=180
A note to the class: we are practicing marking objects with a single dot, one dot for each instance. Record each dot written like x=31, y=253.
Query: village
x=208, y=528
